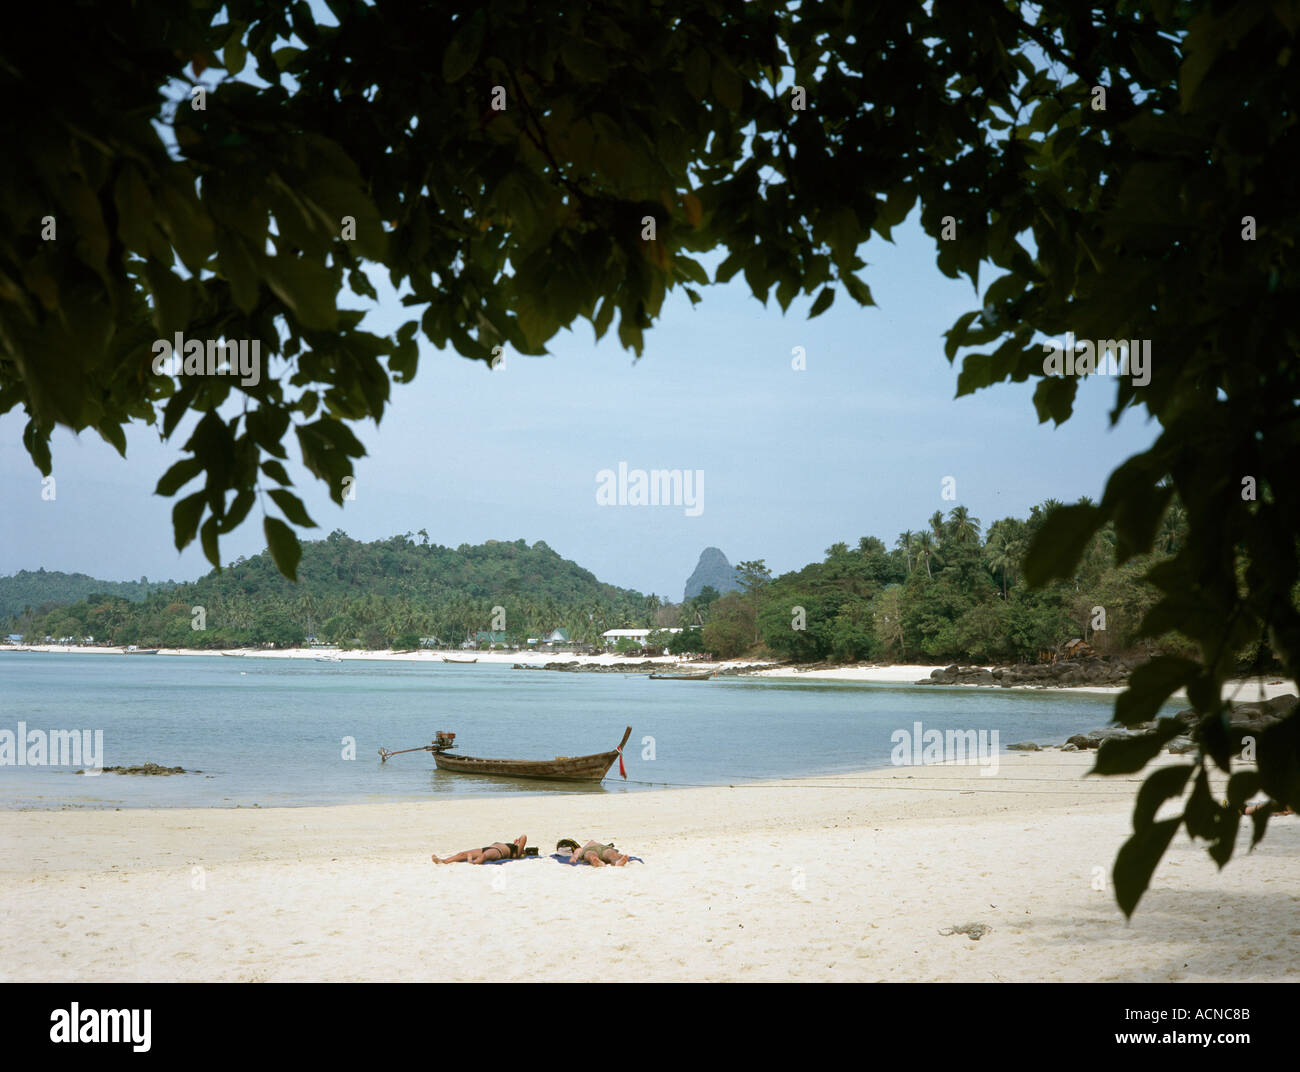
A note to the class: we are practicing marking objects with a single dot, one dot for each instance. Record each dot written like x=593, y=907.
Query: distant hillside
x=44, y=588
x=391, y=591
x=713, y=570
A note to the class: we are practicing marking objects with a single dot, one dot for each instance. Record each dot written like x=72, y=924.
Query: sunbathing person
x=498, y=850
x=595, y=853
x=1273, y=805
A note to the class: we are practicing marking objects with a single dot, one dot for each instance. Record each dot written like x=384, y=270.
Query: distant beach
x=1258, y=688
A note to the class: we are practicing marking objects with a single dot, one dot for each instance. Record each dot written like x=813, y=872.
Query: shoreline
x=839, y=878
x=1265, y=687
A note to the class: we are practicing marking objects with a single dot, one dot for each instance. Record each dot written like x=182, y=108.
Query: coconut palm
x=906, y=544
x=962, y=525
x=998, y=556
x=926, y=548
x=1173, y=528
x=937, y=530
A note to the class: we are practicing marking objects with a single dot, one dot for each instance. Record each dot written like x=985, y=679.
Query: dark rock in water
x=1245, y=719
x=147, y=769
x=1094, y=739
x=712, y=571
x=643, y=667
x=1024, y=746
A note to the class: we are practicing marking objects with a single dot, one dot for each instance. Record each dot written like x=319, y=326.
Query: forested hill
x=411, y=567
x=382, y=593
x=28, y=588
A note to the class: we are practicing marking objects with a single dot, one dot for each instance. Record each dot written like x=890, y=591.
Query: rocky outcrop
x=1259, y=716
x=1244, y=719
x=712, y=571
x=147, y=769
x=1103, y=670
x=645, y=667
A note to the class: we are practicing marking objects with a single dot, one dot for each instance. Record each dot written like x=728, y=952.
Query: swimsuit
x=512, y=850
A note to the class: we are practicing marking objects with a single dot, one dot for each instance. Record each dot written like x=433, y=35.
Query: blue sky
x=856, y=444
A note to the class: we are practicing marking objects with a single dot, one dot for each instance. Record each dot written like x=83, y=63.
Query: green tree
x=731, y=627
x=754, y=578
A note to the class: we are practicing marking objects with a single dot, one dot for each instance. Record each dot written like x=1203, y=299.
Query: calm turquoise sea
x=275, y=732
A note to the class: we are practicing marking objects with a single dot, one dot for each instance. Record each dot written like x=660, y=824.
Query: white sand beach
x=835, y=879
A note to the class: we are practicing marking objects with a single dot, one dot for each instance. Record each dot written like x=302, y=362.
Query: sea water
x=274, y=732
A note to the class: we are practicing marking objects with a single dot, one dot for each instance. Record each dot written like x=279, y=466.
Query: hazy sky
x=856, y=444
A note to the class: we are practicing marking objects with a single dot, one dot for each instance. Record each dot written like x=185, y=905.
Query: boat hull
x=578, y=769
x=592, y=768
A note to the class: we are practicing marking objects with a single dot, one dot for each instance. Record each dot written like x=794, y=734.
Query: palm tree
x=905, y=544
x=963, y=526
x=926, y=549
x=997, y=553
x=936, y=527
x=1173, y=528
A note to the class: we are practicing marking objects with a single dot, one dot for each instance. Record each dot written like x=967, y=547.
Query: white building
x=637, y=636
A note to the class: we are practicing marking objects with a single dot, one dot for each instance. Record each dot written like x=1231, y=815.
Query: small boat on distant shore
x=703, y=676
x=592, y=768
x=449, y=659
x=141, y=651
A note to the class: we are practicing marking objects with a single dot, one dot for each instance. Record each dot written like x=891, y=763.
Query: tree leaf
x=292, y=507
x=1060, y=542
x=1137, y=861
x=1165, y=783
x=822, y=303
x=305, y=287
x=1126, y=755
x=284, y=547
x=1150, y=685
x=208, y=537
x=185, y=518
x=178, y=476
x=465, y=45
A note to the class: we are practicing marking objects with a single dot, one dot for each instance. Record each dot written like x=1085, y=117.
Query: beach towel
x=510, y=860
x=583, y=863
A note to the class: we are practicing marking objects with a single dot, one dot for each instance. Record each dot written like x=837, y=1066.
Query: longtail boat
x=448, y=659
x=704, y=676
x=591, y=768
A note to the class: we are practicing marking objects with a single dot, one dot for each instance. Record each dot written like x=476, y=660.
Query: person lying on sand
x=595, y=853
x=498, y=850
x=1278, y=809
